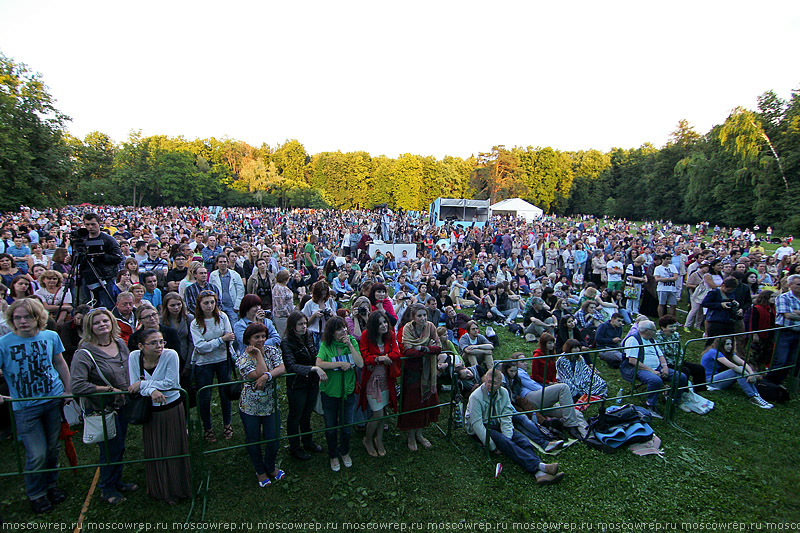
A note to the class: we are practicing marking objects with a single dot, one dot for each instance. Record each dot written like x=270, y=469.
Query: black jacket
x=106, y=263
x=298, y=357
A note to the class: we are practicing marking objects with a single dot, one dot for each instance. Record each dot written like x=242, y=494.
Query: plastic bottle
x=619, y=396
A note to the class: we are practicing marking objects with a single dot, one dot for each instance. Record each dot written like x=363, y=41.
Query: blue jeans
x=258, y=428
x=518, y=448
x=233, y=316
x=524, y=425
x=651, y=380
x=204, y=374
x=723, y=380
x=786, y=345
x=338, y=413
x=38, y=427
x=111, y=476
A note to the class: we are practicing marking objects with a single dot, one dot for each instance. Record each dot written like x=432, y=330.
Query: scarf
x=412, y=339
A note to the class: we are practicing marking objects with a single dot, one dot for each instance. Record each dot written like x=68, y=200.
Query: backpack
x=616, y=426
x=771, y=392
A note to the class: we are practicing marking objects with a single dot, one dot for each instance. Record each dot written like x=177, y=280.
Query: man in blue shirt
x=20, y=253
x=151, y=291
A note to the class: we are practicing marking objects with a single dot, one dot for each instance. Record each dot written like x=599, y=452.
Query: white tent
x=517, y=207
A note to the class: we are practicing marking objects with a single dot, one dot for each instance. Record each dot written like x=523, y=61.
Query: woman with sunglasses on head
x=101, y=365
x=154, y=372
x=211, y=333
x=258, y=404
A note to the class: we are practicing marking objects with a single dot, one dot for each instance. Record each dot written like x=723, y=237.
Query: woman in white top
x=189, y=279
x=319, y=309
x=211, y=335
x=51, y=295
x=37, y=257
x=153, y=371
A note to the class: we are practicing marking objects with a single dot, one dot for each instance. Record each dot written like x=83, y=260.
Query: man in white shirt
x=783, y=250
x=615, y=269
x=666, y=276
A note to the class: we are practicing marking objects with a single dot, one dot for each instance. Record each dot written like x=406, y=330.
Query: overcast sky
x=432, y=78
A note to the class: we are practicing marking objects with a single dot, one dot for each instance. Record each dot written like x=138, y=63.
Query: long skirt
x=412, y=399
x=165, y=435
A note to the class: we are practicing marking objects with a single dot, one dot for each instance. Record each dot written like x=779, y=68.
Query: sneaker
x=530, y=337
x=56, y=495
x=760, y=402
x=300, y=453
x=335, y=466
x=654, y=412
x=554, y=445
x=712, y=388
x=687, y=330
x=548, y=479
x=41, y=505
x=551, y=469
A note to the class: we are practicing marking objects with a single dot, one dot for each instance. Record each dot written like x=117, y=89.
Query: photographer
x=97, y=257
x=722, y=310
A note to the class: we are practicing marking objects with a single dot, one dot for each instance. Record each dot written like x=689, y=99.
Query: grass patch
x=741, y=463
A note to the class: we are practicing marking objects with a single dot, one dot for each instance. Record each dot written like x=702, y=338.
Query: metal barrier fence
x=205, y=482
x=790, y=364
x=198, y=452
x=18, y=447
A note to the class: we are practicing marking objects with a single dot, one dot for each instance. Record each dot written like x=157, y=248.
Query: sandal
x=280, y=475
x=425, y=442
x=227, y=432
x=209, y=435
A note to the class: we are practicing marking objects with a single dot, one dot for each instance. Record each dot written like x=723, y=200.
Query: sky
x=430, y=78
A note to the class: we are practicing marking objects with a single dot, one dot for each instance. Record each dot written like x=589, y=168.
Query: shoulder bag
x=93, y=430
x=139, y=409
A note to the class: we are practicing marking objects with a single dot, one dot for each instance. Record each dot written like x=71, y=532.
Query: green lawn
x=740, y=463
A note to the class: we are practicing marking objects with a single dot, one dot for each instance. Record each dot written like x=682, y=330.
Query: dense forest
x=744, y=171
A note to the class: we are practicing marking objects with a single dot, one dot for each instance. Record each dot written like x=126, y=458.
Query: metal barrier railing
x=205, y=482
x=198, y=452
x=18, y=446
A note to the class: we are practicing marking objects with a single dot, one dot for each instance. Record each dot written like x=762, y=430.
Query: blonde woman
x=52, y=294
x=189, y=279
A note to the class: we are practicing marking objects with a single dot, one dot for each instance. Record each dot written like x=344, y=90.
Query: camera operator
x=722, y=309
x=99, y=261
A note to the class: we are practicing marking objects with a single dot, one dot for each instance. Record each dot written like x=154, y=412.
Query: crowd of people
x=116, y=303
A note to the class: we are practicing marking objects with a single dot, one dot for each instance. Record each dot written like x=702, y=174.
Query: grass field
x=740, y=463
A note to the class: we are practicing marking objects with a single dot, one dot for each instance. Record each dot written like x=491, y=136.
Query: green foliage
x=34, y=153
x=744, y=171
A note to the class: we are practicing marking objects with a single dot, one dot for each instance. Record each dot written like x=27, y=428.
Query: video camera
x=77, y=238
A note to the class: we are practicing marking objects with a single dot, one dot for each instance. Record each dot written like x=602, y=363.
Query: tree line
x=742, y=172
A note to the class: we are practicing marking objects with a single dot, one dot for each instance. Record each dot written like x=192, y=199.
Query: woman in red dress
x=381, y=367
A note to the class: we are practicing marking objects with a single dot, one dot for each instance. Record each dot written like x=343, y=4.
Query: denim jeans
x=651, y=380
x=524, y=425
x=518, y=448
x=258, y=428
x=338, y=413
x=111, y=476
x=38, y=427
x=204, y=374
x=723, y=380
x=786, y=344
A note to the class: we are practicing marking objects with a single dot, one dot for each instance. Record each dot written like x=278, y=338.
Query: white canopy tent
x=517, y=207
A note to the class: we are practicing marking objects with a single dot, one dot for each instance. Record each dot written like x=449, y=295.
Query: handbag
x=93, y=423
x=631, y=292
x=139, y=409
x=232, y=391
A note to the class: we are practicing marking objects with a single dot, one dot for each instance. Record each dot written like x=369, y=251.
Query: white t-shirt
x=651, y=352
x=611, y=266
x=667, y=271
x=783, y=251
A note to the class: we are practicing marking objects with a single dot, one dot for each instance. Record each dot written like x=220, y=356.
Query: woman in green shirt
x=338, y=355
